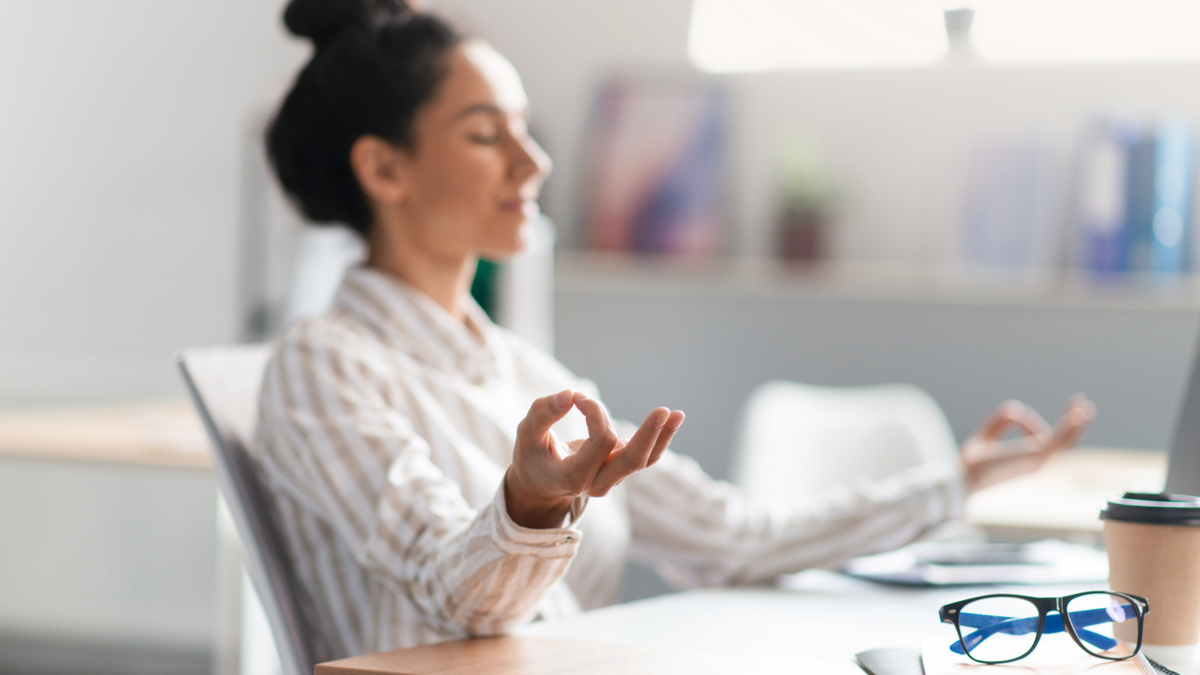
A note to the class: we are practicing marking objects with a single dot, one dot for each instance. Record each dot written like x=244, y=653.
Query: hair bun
x=323, y=20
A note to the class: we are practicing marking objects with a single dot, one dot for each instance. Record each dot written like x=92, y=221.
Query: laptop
x=1183, y=462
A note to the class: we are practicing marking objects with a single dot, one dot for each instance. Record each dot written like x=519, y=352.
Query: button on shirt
x=385, y=431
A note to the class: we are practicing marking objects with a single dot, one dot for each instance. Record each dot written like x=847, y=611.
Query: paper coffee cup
x=1153, y=543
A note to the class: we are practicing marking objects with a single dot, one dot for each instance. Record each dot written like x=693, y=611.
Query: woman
x=413, y=447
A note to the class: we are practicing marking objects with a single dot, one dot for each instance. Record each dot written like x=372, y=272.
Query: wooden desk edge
x=513, y=655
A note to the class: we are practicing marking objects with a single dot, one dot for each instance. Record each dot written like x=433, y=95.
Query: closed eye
x=489, y=132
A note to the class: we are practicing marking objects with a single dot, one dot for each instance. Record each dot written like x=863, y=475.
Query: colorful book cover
x=1103, y=216
x=1005, y=219
x=657, y=162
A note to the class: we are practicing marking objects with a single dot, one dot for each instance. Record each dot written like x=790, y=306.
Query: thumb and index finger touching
x=602, y=436
x=591, y=453
x=1012, y=414
x=544, y=413
x=1016, y=415
x=548, y=410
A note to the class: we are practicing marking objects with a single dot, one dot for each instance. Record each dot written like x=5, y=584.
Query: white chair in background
x=224, y=383
x=797, y=438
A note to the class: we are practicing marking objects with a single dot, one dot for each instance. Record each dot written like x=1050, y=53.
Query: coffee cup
x=1153, y=543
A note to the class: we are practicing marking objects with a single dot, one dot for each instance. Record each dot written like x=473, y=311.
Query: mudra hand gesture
x=988, y=458
x=547, y=474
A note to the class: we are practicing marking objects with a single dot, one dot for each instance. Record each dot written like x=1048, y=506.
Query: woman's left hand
x=988, y=458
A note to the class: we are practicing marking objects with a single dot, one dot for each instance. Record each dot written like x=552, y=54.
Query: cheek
x=467, y=181
x=457, y=196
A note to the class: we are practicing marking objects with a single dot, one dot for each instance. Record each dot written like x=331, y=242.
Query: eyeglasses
x=1008, y=627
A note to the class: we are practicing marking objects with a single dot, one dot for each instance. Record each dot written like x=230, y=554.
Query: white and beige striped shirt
x=386, y=428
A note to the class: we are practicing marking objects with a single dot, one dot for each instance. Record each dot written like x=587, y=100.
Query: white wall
x=120, y=142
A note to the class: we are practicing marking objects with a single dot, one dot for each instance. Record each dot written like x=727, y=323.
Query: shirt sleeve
x=331, y=439
x=698, y=531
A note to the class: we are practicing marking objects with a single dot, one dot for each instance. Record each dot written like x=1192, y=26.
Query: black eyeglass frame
x=949, y=614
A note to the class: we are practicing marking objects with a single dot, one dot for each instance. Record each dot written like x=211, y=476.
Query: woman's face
x=473, y=175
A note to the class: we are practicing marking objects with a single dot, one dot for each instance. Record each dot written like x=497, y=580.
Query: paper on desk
x=1044, y=562
x=1055, y=655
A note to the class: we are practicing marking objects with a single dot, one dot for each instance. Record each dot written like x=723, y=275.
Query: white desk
x=824, y=615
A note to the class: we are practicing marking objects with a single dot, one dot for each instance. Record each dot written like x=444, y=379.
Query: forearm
x=857, y=519
x=725, y=539
x=490, y=576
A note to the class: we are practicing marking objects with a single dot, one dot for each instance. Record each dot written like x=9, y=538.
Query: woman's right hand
x=547, y=475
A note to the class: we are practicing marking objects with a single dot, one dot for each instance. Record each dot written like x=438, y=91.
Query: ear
x=379, y=167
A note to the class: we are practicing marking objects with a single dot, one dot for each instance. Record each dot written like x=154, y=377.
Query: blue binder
x=1105, y=227
x=1170, y=227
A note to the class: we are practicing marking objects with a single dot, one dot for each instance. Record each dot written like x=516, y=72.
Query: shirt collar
x=414, y=323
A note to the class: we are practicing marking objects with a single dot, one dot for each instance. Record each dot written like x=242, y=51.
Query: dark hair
x=376, y=63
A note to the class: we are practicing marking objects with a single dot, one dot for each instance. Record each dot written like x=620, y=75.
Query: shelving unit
x=882, y=282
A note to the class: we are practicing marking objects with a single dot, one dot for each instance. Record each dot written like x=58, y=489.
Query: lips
x=527, y=207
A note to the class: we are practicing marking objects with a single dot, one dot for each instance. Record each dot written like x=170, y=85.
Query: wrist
x=975, y=477
x=528, y=509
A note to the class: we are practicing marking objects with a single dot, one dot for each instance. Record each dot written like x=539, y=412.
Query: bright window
x=758, y=35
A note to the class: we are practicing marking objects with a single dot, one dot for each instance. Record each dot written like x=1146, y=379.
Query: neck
x=444, y=279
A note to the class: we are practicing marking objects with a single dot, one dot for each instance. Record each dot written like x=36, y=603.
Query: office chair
x=799, y=438
x=224, y=383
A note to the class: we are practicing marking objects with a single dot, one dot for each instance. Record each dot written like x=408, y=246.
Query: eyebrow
x=486, y=108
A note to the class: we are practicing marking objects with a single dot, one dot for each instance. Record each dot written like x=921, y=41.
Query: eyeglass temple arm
x=989, y=625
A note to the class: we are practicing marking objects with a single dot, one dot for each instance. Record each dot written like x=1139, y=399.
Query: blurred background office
x=990, y=202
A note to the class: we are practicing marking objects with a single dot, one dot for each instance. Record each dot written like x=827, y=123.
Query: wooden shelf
x=159, y=434
x=911, y=283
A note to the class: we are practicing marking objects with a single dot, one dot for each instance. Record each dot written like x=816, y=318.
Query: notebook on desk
x=1052, y=657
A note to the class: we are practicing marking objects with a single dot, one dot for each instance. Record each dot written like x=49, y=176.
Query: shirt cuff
x=514, y=539
x=948, y=498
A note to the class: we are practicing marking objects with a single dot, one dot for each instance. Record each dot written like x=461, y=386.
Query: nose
x=531, y=161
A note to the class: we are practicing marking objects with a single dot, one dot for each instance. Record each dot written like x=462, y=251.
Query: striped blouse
x=386, y=428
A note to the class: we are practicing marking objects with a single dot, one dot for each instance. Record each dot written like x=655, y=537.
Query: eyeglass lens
x=998, y=628
x=1102, y=621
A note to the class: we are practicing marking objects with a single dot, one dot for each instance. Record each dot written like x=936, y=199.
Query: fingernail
x=562, y=399
x=581, y=396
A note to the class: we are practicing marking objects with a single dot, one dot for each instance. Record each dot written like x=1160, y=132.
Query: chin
x=515, y=241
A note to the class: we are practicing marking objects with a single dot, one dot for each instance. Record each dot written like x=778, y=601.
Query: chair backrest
x=798, y=438
x=224, y=383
